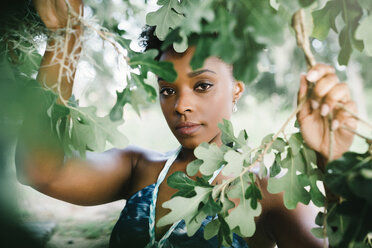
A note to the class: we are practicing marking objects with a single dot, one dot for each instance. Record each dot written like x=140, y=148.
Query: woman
x=193, y=105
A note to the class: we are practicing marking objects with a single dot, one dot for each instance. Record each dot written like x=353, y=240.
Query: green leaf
x=196, y=11
x=187, y=209
x=136, y=93
x=365, y=4
x=295, y=143
x=346, y=48
x=276, y=167
x=234, y=164
x=279, y=144
x=125, y=43
x=292, y=5
x=228, y=136
x=352, y=13
x=289, y=183
x=240, y=185
x=211, y=229
x=336, y=177
x=184, y=184
x=212, y=158
x=193, y=167
x=317, y=196
x=245, y=224
x=146, y=60
x=224, y=24
x=210, y=207
x=202, y=52
x=363, y=33
x=29, y=62
x=225, y=236
x=169, y=16
x=268, y=138
x=317, y=232
x=58, y=116
x=359, y=184
x=91, y=132
x=243, y=217
x=324, y=19
x=264, y=30
x=254, y=194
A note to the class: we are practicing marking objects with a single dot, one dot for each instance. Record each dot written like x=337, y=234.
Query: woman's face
x=198, y=100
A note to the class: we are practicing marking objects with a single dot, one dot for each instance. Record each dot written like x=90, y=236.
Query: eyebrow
x=196, y=73
x=193, y=73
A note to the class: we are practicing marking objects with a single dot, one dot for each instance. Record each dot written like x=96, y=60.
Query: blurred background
x=266, y=104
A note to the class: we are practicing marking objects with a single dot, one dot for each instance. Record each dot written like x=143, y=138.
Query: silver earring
x=235, y=108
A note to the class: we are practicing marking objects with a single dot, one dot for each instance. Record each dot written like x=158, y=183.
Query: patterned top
x=135, y=227
x=132, y=228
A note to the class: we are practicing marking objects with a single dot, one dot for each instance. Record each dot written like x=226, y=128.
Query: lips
x=187, y=128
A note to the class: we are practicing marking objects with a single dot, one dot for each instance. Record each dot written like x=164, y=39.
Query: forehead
x=181, y=62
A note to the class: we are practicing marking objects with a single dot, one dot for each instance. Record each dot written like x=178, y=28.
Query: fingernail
x=324, y=110
x=335, y=124
x=314, y=104
x=312, y=76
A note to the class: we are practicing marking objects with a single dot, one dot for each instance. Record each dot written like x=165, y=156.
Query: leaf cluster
x=352, y=33
x=348, y=221
x=300, y=172
x=241, y=26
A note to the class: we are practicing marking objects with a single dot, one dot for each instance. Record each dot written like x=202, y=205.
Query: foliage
x=347, y=221
x=238, y=32
x=351, y=35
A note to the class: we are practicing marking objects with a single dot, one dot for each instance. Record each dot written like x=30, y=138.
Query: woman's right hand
x=54, y=13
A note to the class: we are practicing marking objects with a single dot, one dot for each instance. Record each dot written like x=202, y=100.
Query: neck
x=186, y=155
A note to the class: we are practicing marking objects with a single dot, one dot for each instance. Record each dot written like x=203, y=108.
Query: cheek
x=219, y=107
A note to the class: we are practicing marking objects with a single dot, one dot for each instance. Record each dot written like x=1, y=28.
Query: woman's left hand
x=324, y=100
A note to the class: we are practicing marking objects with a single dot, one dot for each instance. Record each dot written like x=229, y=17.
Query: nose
x=184, y=103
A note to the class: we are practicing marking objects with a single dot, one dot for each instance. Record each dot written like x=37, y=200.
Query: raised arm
x=40, y=159
x=55, y=16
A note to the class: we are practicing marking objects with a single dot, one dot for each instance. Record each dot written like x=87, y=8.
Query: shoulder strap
x=160, y=179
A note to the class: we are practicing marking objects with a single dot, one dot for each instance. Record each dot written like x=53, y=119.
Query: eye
x=203, y=86
x=167, y=91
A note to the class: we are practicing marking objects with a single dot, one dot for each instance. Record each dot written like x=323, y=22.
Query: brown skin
x=203, y=99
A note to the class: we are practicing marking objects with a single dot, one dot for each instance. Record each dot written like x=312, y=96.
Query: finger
x=305, y=110
x=323, y=86
x=318, y=71
x=339, y=93
x=342, y=117
x=303, y=88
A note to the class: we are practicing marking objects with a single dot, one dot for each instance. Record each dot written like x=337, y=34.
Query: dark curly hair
x=148, y=40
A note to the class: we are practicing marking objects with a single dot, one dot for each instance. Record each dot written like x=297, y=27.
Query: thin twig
x=342, y=106
x=266, y=146
x=368, y=140
x=331, y=137
x=101, y=34
x=62, y=63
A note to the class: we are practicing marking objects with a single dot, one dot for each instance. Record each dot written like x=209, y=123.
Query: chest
x=164, y=194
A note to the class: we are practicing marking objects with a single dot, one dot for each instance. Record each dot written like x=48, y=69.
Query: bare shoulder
x=146, y=165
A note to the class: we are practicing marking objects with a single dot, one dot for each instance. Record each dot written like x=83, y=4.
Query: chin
x=193, y=142
x=189, y=143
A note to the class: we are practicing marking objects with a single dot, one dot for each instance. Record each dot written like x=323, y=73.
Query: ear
x=238, y=90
